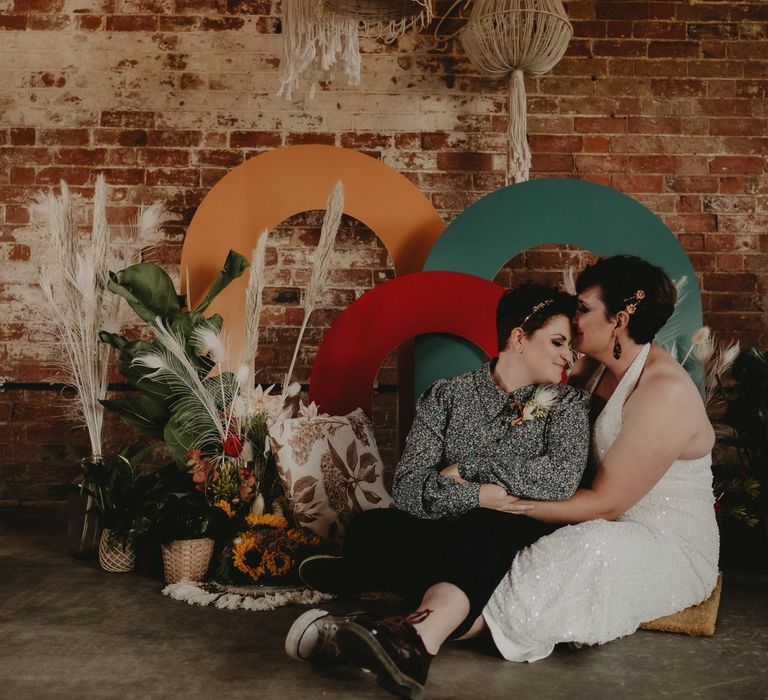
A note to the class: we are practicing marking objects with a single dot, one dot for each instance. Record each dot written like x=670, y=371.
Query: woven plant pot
x=115, y=554
x=187, y=559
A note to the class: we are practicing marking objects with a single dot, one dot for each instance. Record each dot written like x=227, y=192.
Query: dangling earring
x=616, y=349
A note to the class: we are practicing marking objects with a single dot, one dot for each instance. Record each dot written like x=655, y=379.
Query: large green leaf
x=234, y=266
x=148, y=290
x=142, y=413
x=114, y=339
x=178, y=440
x=138, y=376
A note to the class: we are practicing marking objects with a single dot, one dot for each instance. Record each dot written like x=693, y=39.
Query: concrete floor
x=70, y=630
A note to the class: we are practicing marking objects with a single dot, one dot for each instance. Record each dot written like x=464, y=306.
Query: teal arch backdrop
x=504, y=223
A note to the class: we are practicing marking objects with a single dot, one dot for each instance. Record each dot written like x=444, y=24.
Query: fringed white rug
x=242, y=598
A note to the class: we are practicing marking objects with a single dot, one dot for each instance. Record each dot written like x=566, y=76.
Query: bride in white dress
x=645, y=540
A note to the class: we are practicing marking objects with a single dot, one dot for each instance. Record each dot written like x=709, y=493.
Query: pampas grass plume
x=319, y=278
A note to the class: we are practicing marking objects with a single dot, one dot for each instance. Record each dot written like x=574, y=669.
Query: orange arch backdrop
x=272, y=187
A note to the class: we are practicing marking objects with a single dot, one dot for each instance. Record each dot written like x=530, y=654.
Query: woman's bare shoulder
x=666, y=390
x=664, y=379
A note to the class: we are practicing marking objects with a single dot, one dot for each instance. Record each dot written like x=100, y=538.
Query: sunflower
x=268, y=519
x=247, y=558
x=224, y=505
x=277, y=562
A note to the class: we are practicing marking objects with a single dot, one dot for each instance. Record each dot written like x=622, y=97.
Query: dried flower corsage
x=538, y=407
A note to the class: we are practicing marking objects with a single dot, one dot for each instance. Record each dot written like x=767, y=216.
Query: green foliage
x=264, y=466
x=234, y=266
x=142, y=413
x=150, y=293
x=148, y=290
x=128, y=497
x=186, y=513
x=740, y=482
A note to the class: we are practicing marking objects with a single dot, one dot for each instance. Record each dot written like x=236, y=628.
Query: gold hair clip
x=634, y=300
x=536, y=310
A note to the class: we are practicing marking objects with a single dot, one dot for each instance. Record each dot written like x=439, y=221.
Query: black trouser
x=391, y=550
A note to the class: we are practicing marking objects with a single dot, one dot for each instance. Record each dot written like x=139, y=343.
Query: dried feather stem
x=254, y=294
x=318, y=280
x=78, y=302
x=254, y=301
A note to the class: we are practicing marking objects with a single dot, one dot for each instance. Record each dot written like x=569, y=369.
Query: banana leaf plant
x=150, y=292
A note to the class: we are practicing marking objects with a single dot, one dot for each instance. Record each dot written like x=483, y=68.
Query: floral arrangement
x=201, y=399
x=268, y=552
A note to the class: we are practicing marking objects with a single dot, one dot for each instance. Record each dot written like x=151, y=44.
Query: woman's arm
x=658, y=424
x=418, y=486
x=556, y=474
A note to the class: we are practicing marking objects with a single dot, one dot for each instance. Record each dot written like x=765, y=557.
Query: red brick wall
x=665, y=101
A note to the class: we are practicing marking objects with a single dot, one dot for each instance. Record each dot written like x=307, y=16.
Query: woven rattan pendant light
x=515, y=38
x=321, y=37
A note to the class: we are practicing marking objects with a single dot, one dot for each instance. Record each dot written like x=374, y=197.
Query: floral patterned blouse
x=467, y=420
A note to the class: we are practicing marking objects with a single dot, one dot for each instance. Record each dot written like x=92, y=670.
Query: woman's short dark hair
x=619, y=278
x=529, y=306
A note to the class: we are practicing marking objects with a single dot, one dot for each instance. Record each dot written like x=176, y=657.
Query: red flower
x=233, y=445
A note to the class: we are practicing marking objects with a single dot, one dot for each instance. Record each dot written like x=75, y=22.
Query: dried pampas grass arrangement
x=318, y=281
x=77, y=303
x=253, y=303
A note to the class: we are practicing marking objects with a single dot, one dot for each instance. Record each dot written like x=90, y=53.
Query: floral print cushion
x=330, y=469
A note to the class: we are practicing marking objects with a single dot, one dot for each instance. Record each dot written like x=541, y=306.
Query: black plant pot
x=83, y=527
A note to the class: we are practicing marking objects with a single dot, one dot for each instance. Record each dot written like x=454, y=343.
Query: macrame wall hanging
x=321, y=37
x=515, y=38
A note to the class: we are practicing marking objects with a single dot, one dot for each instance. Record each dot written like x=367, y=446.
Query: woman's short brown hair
x=529, y=306
x=619, y=279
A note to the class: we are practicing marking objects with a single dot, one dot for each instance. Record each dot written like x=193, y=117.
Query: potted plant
x=129, y=499
x=741, y=469
x=77, y=305
x=187, y=528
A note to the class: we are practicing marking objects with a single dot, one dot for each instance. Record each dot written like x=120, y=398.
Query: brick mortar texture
x=665, y=101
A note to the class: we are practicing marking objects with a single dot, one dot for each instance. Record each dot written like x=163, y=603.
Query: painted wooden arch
x=504, y=223
x=273, y=186
x=389, y=315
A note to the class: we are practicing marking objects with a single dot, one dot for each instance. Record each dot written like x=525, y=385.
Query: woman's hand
x=496, y=498
x=452, y=472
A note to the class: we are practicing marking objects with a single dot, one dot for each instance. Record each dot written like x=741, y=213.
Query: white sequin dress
x=598, y=580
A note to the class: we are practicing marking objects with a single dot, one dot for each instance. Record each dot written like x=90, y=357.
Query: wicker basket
x=116, y=554
x=187, y=559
